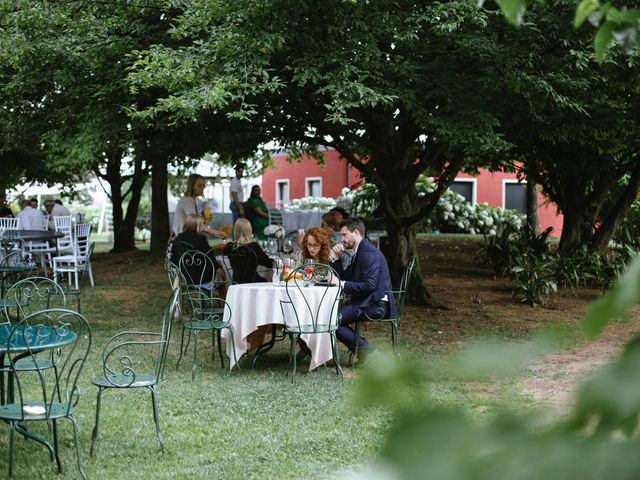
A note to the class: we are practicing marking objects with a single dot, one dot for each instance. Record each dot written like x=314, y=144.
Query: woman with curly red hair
x=316, y=245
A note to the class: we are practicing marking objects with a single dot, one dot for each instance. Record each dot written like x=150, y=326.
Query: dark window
x=515, y=197
x=282, y=193
x=463, y=188
x=314, y=188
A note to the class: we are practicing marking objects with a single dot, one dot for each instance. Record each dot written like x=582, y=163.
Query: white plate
x=33, y=410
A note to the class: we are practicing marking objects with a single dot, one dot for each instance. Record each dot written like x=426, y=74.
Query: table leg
x=265, y=347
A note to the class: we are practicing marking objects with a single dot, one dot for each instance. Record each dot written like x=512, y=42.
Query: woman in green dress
x=259, y=212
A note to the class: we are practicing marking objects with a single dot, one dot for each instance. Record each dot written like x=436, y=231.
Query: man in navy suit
x=366, y=279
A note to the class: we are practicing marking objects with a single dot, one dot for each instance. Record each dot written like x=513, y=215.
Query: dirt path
x=480, y=304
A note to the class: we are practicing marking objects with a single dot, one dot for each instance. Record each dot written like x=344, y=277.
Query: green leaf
x=615, y=303
x=585, y=8
x=603, y=39
x=513, y=10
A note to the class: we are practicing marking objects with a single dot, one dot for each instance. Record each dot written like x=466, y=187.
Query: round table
x=256, y=304
x=32, y=235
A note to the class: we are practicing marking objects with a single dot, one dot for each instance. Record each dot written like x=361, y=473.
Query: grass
x=241, y=425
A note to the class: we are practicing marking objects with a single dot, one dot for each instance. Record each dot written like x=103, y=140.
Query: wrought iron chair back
x=243, y=262
x=305, y=317
x=16, y=264
x=31, y=295
x=136, y=359
x=43, y=393
x=275, y=217
x=197, y=268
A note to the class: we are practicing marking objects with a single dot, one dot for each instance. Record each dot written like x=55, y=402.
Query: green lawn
x=241, y=425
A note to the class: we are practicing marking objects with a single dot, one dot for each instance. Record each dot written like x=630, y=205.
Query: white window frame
x=474, y=188
x=307, y=192
x=505, y=182
x=282, y=201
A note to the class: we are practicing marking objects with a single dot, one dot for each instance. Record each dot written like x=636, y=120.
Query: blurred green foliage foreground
x=597, y=440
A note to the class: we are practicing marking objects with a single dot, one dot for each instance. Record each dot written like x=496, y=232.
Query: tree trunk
x=610, y=224
x=532, y=206
x=401, y=246
x=124, y=237
x=159, y=206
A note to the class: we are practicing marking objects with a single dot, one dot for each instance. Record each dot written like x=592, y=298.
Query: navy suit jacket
x=367, y=277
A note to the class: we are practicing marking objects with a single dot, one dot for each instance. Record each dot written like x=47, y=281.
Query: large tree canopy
x=397, y=88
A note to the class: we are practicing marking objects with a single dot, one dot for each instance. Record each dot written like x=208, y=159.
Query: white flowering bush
x=451, y=215
x=274, y=231
x=309, y=203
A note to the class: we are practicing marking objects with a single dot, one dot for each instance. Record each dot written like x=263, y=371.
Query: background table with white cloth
x=305, y=219
x=256, y=304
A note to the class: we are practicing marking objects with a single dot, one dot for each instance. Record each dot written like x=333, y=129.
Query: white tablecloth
x=256, y=304
x=305, y=219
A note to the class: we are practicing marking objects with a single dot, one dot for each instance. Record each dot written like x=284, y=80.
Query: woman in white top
x=188, y=204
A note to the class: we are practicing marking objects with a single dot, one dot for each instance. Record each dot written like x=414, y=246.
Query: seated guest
x=27, y=214
x=316, y=245
x=245, y=266
x=5, y=211
x=190, y=235
x=366, y=280
x=341, y=211
x=55, y=209
x=33, y=201
x=331, y=223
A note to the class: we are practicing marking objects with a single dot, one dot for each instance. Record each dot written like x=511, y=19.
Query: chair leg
x=75, y=436
x=181, y=347
x=219, y=335
x=12, y=431
x=394, y=340
x=294, y=342
x=94, y=434
x=195, y=354
x=154, y=404
x=56, y=446
x=91, y=276
x=336, y=354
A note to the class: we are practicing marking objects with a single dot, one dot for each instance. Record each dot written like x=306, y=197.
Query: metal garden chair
x=45, y=394
x=399, y=296
x=205, y=310
x=305, y=317
x=16, y=264
x=31, y=295
x=126, y=364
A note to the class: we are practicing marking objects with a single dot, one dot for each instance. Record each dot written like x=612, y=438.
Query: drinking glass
x=308, y=271
x=272, y=245
x=287, y=246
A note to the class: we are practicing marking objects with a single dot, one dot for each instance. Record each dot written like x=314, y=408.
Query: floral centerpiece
x=275, y=231
x=310, y=203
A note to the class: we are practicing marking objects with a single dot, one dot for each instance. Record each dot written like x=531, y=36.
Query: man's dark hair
x=353, y=223
x=341, y=211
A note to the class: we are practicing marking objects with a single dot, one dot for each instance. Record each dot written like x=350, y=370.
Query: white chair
x=80, y=260
x=40, y=248
x=9, y=223
x=63, y=225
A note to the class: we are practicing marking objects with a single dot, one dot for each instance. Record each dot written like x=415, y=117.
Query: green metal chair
x=306, y=317
x=203, y=308
x=136, y=359
x=31, y=295
x=399, y=296
x=16, y=264
x=49, y=394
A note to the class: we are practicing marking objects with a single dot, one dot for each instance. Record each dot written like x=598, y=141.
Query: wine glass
x=308, y=271
x=287, y=246
x=272, y=245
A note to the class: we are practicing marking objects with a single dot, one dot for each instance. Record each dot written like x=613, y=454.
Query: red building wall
x=337, y=174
